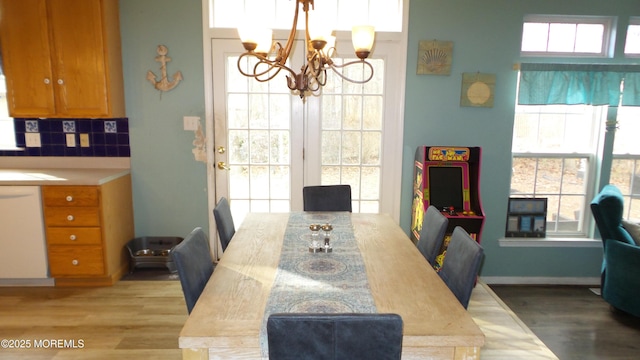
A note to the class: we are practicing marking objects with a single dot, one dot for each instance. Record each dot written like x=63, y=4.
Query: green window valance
x=573, y=84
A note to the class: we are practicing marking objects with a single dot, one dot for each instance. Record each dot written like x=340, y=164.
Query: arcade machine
x=448, y=177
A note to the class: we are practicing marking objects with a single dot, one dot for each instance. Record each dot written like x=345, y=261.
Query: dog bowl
x=144, y=252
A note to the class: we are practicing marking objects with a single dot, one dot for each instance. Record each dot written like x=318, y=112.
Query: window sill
x=550, y=242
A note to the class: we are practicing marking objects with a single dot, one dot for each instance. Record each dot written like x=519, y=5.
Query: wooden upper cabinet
x=62, y=58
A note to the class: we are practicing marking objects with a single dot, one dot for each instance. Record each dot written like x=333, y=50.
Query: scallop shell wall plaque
x=435, y=57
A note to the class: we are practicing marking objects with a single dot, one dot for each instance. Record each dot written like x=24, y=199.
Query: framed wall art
x=435, y=57
x=477, y=89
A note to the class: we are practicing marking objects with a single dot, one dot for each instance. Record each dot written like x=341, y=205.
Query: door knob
x=221, y=150
x=223, y=166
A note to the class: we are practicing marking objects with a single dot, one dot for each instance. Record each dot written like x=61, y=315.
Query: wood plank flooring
x=142, y=319
x=130, y=320
x=574, y=322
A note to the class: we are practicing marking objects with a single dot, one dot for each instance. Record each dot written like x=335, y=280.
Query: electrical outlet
x=84, y=140
x=191, y=122
x=71, y=140
x=32, y=139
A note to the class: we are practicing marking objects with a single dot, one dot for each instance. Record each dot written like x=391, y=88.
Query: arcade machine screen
x=445, y=187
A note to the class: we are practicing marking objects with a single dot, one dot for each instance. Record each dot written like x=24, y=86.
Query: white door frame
x=394, y=114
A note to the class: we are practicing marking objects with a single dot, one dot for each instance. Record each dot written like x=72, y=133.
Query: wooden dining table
x=227, y=320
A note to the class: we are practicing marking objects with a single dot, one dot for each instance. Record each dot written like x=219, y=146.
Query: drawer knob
x=75, y=262
x=70, y=217
x=72, y=237
x=60, y=82
x=47, y=81
x=69, y=198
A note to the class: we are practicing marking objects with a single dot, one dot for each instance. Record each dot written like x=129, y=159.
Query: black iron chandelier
x=271, y=57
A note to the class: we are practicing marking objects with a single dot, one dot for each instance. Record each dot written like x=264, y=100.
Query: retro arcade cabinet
x=447, y=177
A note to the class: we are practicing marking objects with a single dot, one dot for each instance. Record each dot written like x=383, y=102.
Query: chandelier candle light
x=271, y=57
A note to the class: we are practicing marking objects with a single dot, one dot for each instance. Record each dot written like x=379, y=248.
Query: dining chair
x=461, y=264
x=334, y=336
x=224, y=222
x=327, y=198
x=192, y=258
x=434, y=226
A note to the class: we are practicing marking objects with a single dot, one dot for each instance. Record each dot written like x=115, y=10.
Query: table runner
x=306, y=282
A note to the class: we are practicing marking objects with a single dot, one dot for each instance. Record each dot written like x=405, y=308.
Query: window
x=632, y=42
x=566, y=118
x=625, y=166
x=385, y=15
x=554, y=148
x=7, y=133
x=567, y=35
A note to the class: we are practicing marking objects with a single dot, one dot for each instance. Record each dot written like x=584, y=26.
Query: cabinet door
x=26, y=57
x=79, y=57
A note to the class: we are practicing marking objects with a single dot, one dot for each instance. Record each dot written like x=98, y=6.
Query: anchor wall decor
x=163, y=84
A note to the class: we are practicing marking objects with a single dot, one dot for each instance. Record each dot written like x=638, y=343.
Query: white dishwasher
x=23, y=250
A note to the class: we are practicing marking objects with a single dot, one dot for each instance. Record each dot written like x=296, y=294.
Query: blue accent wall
x=486, y=37
x=170, y=187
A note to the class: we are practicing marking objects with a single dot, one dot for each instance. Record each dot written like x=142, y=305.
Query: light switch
x=71, y=140
x=32, y=139
x=191, y=122
x=84, y=140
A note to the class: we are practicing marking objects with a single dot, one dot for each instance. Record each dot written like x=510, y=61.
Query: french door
x=268, y=144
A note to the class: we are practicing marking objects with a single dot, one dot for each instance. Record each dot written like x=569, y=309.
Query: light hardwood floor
x=142, y=320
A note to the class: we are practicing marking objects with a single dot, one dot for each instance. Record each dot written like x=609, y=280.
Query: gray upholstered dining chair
x=192, y=258
x=434, y=226
x=327, y=198
x=224, y=222
x=334, y=336
x=461, y=265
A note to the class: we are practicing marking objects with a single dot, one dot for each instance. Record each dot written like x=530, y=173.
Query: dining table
x=369, y=266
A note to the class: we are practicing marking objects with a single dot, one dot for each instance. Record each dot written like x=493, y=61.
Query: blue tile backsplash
x=63, y=137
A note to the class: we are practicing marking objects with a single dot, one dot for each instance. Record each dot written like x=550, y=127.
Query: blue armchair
x=620, y=280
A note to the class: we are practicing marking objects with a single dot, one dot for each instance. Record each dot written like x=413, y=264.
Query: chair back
x=192, y=258
x=461, y=265
x=607, y=208
x=434, y=226
x=224, y=222
x=327, y=198
x=334, y=336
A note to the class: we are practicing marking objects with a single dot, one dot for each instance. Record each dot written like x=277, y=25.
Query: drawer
x=72, y=216
x=74, y=236
x=70, y=195
x=75, y=260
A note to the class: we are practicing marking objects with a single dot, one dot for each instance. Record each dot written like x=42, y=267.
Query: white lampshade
x=251, y=34
x=362, y=37
x=265, y=40
x=319, y=26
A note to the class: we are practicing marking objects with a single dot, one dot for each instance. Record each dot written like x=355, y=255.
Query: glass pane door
x=256, y=127
x=351, y=124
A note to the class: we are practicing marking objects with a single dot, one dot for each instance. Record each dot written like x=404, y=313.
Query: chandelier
x=271, y=57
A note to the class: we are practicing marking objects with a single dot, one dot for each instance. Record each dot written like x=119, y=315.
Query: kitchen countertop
x=37, y=171
x=37, y=177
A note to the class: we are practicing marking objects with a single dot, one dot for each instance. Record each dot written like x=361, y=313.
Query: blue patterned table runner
x=306, y=282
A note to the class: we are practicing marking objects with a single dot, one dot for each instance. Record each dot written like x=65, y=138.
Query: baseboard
x=540, y=280
x=27, y=282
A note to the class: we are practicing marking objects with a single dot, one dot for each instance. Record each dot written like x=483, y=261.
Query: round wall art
x=477, y=89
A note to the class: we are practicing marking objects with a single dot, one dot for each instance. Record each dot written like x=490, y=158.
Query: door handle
x=223, y=166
